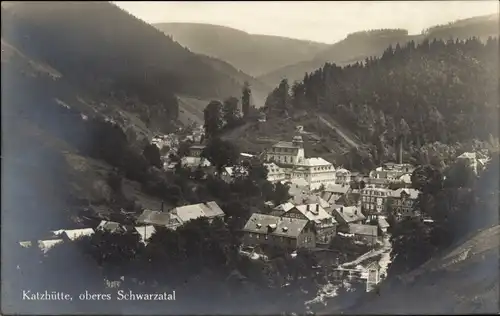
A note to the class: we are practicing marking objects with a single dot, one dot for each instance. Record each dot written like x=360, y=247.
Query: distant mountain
x=358, y=46
x=253, y=54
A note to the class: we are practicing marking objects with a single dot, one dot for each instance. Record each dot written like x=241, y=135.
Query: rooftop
x=360, y=229
x=194, y=211
x=337, y=188
x=412, y=193
x=74, y=234
x=283, y=144
x=317, y=161
x=350, y=214
x=145, y=231
x=165, y=219
x=274, y=225
x=313, y=212
x=382, y=222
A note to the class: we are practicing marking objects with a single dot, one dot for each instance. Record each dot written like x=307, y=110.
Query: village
x=327, y=203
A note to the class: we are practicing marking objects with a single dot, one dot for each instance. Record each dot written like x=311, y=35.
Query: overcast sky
x=326, y=22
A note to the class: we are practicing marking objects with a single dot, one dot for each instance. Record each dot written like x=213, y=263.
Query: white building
x=287, y=152
x=290, y=155
x=316, y=171
x=275, y=173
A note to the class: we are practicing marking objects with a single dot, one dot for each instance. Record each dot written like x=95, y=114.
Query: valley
x=247, y=172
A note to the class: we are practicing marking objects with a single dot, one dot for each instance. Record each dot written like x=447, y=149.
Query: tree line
x=441, y=92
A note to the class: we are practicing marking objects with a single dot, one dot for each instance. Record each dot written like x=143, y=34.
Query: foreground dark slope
x=253, y=54
x=358, y=46
x=114, y=53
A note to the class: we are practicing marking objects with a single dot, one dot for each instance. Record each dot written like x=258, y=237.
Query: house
x=160, y=219
x=43, y=245
x=73, y=234
x=382, y=224
x=390, y=172
x=316, y=171
x=208, y=210
x=342, y=176
x=196, y=150
x=287, y=152
x=402, y=201
x=308, y=198
x=365, y=233
x=195, y=162
x=334, y=192
x=291, y=233
x=111, y=227
x=475, y=160
x=145, y=232
x=274, y=172
x=325, y=224
x=346, y=215
x=374, y=200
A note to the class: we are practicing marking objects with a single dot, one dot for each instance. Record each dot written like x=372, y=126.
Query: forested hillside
x=253, y=54
x=114, y=54
x=360, y=45
x=435, y=91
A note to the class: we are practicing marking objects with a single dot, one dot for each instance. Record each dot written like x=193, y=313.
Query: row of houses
x=145, y=225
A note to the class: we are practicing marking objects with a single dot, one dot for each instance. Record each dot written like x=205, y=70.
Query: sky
x=321, y=21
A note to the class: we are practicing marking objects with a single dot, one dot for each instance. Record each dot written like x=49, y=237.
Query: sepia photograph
x=250, y=158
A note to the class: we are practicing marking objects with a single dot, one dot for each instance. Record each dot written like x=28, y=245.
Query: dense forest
x=114, y=55
x=360, y=45
x=444, y=92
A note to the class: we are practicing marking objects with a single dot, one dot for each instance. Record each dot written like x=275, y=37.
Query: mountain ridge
x=373, y=45
x=254, y=54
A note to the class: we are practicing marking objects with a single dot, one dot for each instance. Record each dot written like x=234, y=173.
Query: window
x=266, y=237
x=257, y=235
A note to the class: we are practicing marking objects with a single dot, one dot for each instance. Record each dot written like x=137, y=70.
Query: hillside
x=253, y=54
x=361, y=45
x=99, y=56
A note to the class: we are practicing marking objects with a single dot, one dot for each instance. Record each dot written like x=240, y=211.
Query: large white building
x=287, y=152
x=291, y=158
x=275, y=173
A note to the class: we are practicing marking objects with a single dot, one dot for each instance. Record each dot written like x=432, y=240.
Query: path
x=348, y=139
x=373, y=253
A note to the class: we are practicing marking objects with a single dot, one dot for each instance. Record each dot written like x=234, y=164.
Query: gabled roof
x=313, y=212
x=164, y=219
x=145, y=231
x=350, y=214
x=109, y=226
x=285, y=207
x=287, y=227
x=412, y=193
x=317, y=161
x=194, y=211
x=74, y=234
x=301, y=198
x=337, y=188
x=213, y=210
x=467, y=155
x=382, y=223
x=283, y=144
x=360, y=229
x=46, y=245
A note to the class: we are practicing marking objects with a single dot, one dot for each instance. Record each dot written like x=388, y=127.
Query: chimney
x=259, y=225
x=401, y=151
x=162, y=206
x=285, y=229
x=341, y=209
x=308, y=207
x=355, y=212
x=317, y=208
